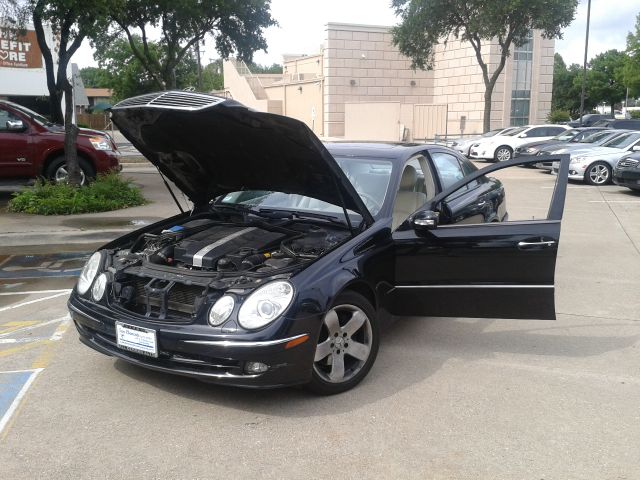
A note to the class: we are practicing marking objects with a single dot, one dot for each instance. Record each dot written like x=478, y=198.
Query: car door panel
x=497, y=270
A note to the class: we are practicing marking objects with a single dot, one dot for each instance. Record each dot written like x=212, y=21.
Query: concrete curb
x=61, y=237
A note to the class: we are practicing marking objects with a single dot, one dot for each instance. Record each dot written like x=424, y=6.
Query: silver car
x=594, y=166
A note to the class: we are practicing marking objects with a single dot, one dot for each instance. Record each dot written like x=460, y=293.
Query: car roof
x=398, y=151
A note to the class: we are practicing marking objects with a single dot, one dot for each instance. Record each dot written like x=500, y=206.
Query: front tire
x=57, y=171
x=598, y=173
x=347, y=345
x=503, y=153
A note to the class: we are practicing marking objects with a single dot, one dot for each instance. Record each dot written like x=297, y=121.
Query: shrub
x=107, y=192
x=635, y=114
x=557, y=116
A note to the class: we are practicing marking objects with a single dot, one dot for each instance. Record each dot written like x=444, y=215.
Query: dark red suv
x=31, y=146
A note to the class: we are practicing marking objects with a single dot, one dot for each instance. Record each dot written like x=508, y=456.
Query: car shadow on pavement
x=411, y=352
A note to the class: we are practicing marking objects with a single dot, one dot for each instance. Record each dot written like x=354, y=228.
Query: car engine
x=174, y=270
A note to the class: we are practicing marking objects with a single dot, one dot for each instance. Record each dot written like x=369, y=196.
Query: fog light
x=255, y=367
x=99, y=286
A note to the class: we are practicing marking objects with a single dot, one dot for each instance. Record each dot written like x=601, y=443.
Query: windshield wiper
x=300, y=215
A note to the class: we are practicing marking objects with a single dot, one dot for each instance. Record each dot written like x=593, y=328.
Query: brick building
x=360, y=87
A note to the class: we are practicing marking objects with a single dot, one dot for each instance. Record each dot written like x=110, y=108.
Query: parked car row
x=599, y=155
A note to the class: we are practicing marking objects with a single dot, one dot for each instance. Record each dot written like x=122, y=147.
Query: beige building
x=361, y=88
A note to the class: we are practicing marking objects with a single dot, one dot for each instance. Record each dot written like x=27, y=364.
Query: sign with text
x=19, y=51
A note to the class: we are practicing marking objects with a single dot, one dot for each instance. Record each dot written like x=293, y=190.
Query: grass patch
x=107, y=192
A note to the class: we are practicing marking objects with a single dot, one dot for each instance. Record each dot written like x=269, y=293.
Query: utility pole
x=200, y=65
x=584, y=67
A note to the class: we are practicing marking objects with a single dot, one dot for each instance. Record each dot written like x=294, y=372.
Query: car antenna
x=170, y=191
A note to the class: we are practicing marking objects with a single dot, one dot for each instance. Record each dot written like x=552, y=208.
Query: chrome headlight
x=100, y=143
x=99, y=286
x=221, y=310
x=89, y=272
x=265, y=304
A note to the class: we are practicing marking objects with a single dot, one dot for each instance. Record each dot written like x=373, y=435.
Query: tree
x=631, y=70
x=236, y=26
x=605, y=78
x=425, y=23
x=93, y=77
x=256, y=68
x=71, y=22
x=566, y=96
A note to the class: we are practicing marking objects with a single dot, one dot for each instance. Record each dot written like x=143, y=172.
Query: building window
x=521, y=82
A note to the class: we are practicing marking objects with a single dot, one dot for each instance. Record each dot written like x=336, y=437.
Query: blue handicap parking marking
x=13, y=386
x=36, y=266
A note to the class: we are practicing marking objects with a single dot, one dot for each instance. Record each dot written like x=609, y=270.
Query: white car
x=463, y=145
x=594, y=165
x=500, y=147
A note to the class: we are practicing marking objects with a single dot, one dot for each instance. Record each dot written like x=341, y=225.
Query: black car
x=569, y=137
x=627, y=172
x=625, y=124
x=293, y=252
x=590, y=119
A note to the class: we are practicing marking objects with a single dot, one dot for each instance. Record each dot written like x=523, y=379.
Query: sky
x=302, y=23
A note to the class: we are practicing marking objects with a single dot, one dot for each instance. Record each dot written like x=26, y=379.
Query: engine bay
x=226, y=248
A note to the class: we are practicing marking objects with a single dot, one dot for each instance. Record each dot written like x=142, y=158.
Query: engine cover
x=205, y=248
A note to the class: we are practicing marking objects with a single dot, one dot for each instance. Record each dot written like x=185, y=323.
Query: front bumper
x=576, y=171
x=628, y=177
x=185, y=350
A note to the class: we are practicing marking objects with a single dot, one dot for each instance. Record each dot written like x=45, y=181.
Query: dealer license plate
x=137, y=339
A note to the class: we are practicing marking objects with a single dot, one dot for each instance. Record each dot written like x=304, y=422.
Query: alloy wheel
x=503, y=154
x=62, y=175
x=345, y=344
x=599, y=174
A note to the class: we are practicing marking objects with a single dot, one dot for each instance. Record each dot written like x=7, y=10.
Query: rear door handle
x=540, y=244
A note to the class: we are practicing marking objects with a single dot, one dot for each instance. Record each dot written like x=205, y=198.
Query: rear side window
x=554, y=131
x=538, y=132
x=6, y=116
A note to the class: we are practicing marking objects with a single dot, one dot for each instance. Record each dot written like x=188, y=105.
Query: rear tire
x=503, y=153
x=57, y=172
x=347, y=345
x=598, y=174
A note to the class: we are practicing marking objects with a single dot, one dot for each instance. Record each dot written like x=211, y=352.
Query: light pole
x=584, y=67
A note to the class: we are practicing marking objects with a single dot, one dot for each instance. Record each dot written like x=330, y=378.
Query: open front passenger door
x=487, y=270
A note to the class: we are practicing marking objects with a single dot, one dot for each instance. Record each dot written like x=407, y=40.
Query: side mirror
x=635, y=148
x=522, y=135
x=425, y=220
x=15, y=125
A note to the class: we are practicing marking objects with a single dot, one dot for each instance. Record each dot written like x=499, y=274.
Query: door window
x=6, y=116
x=448, y=168
x=538, y=132
x=416, y=187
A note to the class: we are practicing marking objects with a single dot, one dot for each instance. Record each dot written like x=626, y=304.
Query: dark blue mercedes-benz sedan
x=294, y=250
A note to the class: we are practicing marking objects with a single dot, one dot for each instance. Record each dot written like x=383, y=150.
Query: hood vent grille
x=173, y=100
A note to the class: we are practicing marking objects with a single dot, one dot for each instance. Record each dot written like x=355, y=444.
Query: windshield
x=516, y=131
x=492, y=133
x=566, y=135
x=369, y=177
x=622, y=141
x=599, y=137
x=30, y=113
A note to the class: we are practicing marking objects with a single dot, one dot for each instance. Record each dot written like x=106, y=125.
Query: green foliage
x=235, y=27
x=631, y=70
x=566, y=94
x=635, y=114
x=257, y=68
x=107, y=192
x=604, y=78
x=558, y=116
x=93, y=77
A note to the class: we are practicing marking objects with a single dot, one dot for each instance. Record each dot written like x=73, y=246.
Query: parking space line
x=614, y=201
x=12, y=390
x=38, y=325
x=18, y=305
x=36, y=292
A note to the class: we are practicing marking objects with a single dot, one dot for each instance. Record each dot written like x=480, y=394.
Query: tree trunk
x=70, y=136
x=488, y=93
x=55, y=106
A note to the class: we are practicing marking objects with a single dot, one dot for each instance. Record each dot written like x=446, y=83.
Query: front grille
x=628, y=163
x=162, y=300
x=174, y=100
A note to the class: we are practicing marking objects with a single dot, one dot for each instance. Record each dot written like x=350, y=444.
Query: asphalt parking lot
x=446, y=399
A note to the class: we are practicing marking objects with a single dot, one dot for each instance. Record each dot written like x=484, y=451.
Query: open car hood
x=209, y=146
